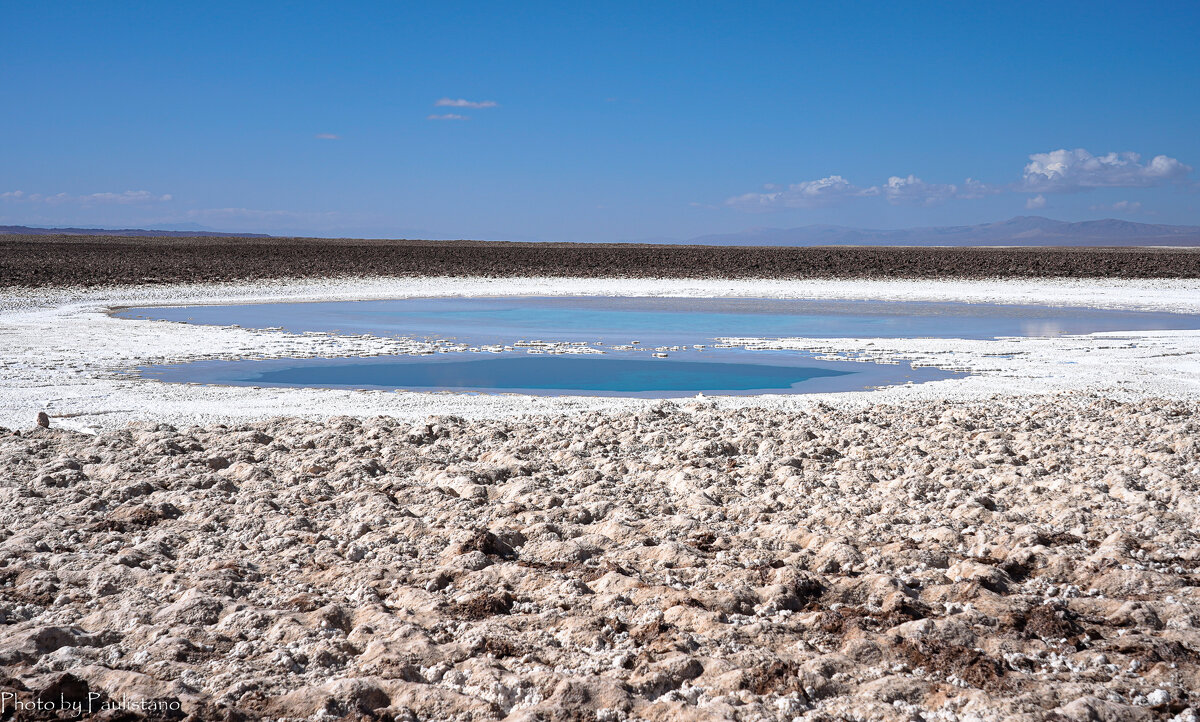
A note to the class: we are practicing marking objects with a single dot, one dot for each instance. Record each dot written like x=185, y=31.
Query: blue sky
x=596, y=121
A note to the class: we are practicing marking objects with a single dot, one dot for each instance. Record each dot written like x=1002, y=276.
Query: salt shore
x=1019, y=544
x=65, y=355
x=1020, y=559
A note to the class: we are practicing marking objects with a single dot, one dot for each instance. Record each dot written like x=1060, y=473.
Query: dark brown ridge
x=33, y=261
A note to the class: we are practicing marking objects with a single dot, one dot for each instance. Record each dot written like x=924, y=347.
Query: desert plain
x=1018, y=544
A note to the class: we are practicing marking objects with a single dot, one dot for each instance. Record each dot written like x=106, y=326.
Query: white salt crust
x=64, y=354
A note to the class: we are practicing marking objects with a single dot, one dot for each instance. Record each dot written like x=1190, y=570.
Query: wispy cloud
x=123, y=198
x=1120, y=207
x=447, y=116
x=327, y=136
x=827, y=191
x=916, y=192
x=126, y=197
x=141, y=209
x=462, y=103
x=1058, y=171
x=23, y=197
x=1067, y=171
x=834, y=190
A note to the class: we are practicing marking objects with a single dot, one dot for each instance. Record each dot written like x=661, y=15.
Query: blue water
x=665, y=320
x=720, y=372
x=605, y=322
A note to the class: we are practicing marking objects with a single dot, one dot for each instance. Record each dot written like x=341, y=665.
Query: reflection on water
x=623, y=346
x=668, y=320
x=719, y=372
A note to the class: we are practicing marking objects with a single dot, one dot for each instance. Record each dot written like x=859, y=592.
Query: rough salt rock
x=616, y=566
x=1092, y=709
x=31, y=644
x=193, y=608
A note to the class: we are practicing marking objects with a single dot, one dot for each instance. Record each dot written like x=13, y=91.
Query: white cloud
x=1120, y=207
x=123, y=198
x=971, y=189
x=446, y=116
x=461, y=103
x=1059, y=171
x=127, y=197
x=327, y=136
x=807, y=194
x=914, y=191
x=23, y=197
x=834, y=189
x=1066, y=171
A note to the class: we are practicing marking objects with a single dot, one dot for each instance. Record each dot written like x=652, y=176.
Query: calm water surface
x=668, y=320
x=720, y=372
x=603, y=322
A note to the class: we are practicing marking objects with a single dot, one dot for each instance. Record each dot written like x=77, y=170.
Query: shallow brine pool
x=617, y=346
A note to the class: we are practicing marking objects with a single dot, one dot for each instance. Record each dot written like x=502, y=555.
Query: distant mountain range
x=180, y=230
x=1019, y=231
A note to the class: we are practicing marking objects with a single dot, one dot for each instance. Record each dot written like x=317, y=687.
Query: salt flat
x=67, y=356
x=1018, y=544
